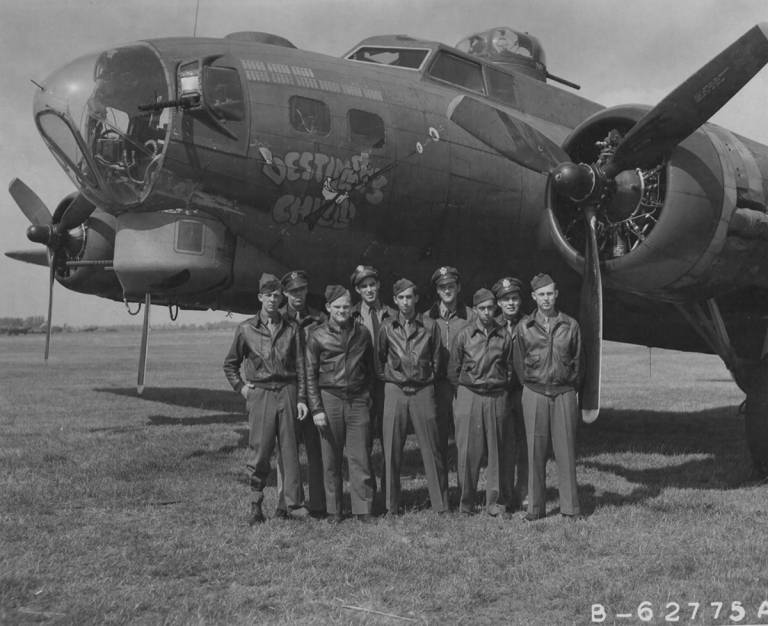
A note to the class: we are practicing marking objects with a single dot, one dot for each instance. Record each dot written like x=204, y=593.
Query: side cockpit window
x=223, y=92
x=459, y=71
x=310, y=116
x=366, y=129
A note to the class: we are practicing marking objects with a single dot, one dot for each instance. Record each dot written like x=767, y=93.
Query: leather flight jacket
x=312, y=319
x=482, y=362
x=514, y=383
x=409, y=358
x=267, y=360
x=449, y=327
x=549, y=362
x=339, y=360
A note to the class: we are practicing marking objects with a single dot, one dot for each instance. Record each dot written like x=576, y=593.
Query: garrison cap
x=361, y=273
x=294, y=280
x=268, y=283
x=507, y=285
x=541, y=280
x=445, y=274
x=334, y=292
x=482, y=295
x=401, y=285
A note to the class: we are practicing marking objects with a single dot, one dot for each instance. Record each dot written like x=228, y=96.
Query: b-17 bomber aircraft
x=201, y=163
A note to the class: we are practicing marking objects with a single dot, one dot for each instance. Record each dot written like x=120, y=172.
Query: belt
x=270, y=385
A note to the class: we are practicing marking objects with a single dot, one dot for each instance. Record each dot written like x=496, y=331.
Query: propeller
x=602, y=186
x=35, y=257
x=54, y=235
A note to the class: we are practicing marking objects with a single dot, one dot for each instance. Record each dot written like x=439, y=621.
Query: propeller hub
x=576, y=182
x=40, y=234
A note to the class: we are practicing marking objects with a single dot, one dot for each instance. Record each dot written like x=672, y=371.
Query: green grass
x=118, y=509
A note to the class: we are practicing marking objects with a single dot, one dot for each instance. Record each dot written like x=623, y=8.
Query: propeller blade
x=51, y=279
x=30, y=203
x=591, y=319
x=511, y=136
x=76, y=212
x=36, y=257
x=144, y=345
x=692, y=103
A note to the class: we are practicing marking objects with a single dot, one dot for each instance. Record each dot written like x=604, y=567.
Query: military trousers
x=555, y=416
x=517, y=448
x=445, y=396
x=271, y=417
x=306, y=431
x=483, y=422
x=347, y=432
x=418, y=407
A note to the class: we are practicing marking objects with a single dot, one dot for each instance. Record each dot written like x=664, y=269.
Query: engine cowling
x=84, y=262
x=663, y=230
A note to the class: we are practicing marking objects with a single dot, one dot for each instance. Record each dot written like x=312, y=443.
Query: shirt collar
x=264, y=319
x=366, y=309
x=400, y=320
x=478, y=327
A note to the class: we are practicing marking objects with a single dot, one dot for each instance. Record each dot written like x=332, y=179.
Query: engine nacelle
x=84, y=262
x=669, y=237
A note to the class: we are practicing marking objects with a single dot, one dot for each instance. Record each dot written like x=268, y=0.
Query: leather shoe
x=364, y=518
x=335, y=519
x=257, y=515
x=299, y=513
x=530, y=517
x=318, y=514
x=494, y=510
x=573, y=517
x=281, y=514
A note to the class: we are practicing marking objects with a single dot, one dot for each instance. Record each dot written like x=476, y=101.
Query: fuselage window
x=366, y=129
x=458, y=71
x=310, y=116
x=224, y=93
x=501, y=86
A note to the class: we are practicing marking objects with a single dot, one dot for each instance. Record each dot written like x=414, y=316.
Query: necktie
x=375, y=324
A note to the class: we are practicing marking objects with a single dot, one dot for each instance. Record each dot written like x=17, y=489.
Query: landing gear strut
x=755, y=385
x=751, y=375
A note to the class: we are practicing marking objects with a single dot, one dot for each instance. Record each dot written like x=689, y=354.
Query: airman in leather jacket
x=267, y=360
x=339, y=361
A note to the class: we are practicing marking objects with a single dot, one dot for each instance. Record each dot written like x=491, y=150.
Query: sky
x=619, y=51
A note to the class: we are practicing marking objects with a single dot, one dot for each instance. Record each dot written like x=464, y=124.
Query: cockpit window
x=458, y=71
x=410, y=58
x=310, y=116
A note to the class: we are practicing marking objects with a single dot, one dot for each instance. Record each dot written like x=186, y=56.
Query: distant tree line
x=37, y=323
x=33, y=321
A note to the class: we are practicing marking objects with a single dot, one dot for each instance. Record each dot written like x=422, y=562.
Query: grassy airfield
x=120, y=509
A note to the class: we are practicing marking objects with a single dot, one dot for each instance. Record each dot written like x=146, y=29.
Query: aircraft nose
x=89, y=115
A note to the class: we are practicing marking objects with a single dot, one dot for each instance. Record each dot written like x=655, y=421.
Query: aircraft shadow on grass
x=231, y=405
x=715, y=435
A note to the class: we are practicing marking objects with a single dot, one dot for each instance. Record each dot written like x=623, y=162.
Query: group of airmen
x=501, y=383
